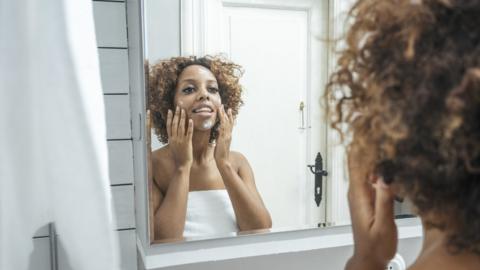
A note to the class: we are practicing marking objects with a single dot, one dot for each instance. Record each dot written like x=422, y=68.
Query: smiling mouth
x=205, y=109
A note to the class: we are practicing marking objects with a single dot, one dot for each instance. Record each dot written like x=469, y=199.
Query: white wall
x=162, y=29
x=162, y=35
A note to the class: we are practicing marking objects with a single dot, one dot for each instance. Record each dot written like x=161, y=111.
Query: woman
x=410, y=85
x=200, y=186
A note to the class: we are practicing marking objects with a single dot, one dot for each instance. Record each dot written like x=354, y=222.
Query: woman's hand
x=179, y=139
x=371, y=210
x=222, y=148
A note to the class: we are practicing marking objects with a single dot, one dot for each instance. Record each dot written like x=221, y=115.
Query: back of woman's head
x=409, y=81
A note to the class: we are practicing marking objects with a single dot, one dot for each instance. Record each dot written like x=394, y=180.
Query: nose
x=203, y=94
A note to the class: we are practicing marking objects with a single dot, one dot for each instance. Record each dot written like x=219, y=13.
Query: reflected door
x=278, y=43
x=272, y=130
x=271, y=45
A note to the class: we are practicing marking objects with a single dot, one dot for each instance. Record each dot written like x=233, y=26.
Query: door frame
x=197, y=36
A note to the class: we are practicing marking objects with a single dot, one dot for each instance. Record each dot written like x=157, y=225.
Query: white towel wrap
x=209, y=212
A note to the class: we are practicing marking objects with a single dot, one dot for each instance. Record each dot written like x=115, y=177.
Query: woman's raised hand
x=180, y=137
x=371, y=210
x=222, y=148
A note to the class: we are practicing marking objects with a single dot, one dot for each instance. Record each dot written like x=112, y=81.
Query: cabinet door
x=110, y=24
x=128, y=252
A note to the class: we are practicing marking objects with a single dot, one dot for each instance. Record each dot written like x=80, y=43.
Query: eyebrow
x=194, y=81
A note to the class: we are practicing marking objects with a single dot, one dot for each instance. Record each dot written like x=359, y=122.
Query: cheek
x=217, y=100
x=179, y=101
x=175, y=102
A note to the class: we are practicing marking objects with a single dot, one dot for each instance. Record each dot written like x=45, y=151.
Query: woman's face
x=197, y=93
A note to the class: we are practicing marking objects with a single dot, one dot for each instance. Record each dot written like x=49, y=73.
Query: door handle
x=319, y=173
x=302, y=111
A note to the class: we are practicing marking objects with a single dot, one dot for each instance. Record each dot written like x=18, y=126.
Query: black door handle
x=319, y=173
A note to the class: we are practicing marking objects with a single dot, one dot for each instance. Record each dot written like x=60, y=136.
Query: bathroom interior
x=287, y=50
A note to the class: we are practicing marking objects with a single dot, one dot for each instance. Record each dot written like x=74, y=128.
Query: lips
x=203, y=109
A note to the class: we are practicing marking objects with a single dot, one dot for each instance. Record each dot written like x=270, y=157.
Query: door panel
x=281, y=46
x=271, y=45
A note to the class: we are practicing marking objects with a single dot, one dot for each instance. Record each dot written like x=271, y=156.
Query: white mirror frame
x=172, y=254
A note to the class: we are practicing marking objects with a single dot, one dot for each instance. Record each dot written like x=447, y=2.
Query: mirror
x=280, y=129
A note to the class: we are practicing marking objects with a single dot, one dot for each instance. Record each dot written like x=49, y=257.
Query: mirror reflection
x=200, y=187
x=236, y=113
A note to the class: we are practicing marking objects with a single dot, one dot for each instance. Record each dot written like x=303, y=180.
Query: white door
x=282, y=58
x=271, y=45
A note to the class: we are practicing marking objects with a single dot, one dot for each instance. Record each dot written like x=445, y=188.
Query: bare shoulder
x=238, y=159
x=162, y=166
x=241, y=164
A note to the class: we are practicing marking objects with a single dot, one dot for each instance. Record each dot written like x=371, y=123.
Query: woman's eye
x=188, y=90
x=213, y=89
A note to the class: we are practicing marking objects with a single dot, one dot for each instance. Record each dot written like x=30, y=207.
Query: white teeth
x=202, y=110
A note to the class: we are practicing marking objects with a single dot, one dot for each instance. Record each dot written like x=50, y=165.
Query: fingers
x=360, y=192
x=148, y=120
x=190, y=130
x=226, y=118
x=384, y=201
x=221, y=126
x=181, y=123
x=384, y=226
x=169, y=123
x=221, y=115
x=175, y=122
x=230, y=116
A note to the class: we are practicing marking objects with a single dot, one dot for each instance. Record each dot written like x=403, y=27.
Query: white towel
x=53, y=152
x=209, y=213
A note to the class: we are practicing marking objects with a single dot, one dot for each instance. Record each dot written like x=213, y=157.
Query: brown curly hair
x=162, y=80
x=408, y=88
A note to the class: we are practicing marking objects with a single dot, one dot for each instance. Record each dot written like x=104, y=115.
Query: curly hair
x=407, y=86
x=162, y=80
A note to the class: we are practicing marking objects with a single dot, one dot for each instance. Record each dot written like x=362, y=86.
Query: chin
x=199, y=126
x=203, y=123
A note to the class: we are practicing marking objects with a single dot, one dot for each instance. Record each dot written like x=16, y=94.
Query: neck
x=433, y=239
x=202, y=150
x=436, y=252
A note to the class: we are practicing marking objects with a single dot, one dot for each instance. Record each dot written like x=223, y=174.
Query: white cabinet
x=110, y=24
x=117, y=110
x=120, y=159
x=128, y=255
x=114, y=70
